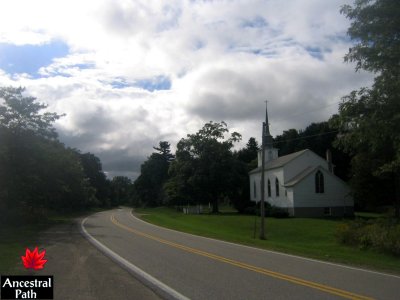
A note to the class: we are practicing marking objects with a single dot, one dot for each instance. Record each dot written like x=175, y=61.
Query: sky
x=131, y=73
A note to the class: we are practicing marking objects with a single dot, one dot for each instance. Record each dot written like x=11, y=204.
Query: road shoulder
x=83, y=272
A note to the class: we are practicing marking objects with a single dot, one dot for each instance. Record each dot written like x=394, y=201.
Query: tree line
x=38, y=173
x=207, y=170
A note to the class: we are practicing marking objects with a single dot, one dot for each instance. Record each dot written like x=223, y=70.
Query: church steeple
x=271, y=153
x=266, y=134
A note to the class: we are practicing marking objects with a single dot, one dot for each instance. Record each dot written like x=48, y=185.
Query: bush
x=270, y=211
x=251, y=210
x=379, y=234
x=279, y=212
x=393, y=240
x=345, y=235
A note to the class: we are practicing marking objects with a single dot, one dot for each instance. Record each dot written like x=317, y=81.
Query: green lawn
x=301, y=236
x=16, y=237
x=14, y=241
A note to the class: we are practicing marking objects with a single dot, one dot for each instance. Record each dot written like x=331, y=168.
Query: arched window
x=255, y=190
x=319, y=182
x=269, y=188
x=277, y=187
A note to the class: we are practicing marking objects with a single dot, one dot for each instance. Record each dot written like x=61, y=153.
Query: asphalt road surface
x=200, y=268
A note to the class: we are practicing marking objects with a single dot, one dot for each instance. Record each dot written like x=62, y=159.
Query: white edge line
x=270, y=251
x=157, y=286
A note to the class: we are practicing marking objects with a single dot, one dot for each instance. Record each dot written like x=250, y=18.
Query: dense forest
x=38, y=173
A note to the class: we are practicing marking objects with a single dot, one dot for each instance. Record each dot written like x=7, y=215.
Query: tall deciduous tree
x=37, y=172
x=246, y=160
x=369, y=118
x=21, y=113
x=375, y=28
x=204, y=166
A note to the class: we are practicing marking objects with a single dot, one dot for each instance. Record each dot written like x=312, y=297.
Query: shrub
x=345, y=235
x=252, y=210
x=379, y=234
x=270, y=210
x=279, y=212
x=392, y=243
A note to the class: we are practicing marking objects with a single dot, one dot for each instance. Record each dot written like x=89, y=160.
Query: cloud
x=137, y=72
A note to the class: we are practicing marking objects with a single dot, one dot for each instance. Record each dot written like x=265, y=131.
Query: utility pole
x=262, y=206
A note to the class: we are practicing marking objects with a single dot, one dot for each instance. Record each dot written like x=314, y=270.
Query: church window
x=255, y=190
x=269, y=188
x=319, y=182
x=277, y=187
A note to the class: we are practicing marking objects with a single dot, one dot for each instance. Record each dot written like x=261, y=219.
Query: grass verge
x=15, y=238
x=14, y=241
x=312, y=238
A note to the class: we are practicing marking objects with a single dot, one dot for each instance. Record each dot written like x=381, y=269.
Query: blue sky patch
x=156, y=83
x=84, y=66
x=315, y=52
x=151, y=84
x=120, y=84
x=30, y=58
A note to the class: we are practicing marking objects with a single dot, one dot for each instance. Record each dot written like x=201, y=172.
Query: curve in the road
x=296, y=280
x=159, y=287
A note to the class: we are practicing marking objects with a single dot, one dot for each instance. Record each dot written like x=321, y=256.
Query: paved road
x=202, y=268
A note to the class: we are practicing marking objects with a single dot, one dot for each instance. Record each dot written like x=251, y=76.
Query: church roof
x=307, y=171
x=279, y=162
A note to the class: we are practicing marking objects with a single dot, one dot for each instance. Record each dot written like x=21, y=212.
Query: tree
x=369, y=119
x=22, y=113
x=288, y=142
x=203, y=170
x=318, y=137
x=148, y=187
x=37, y=172
x=120, y=190
x=375, y=29
x=164, y=150
x=246, y=160
x=249, y=153
x=97, y=179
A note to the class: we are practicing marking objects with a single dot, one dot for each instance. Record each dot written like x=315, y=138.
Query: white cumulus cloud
x=138, y=71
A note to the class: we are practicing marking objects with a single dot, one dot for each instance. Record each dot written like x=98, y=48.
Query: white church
x=302, y=183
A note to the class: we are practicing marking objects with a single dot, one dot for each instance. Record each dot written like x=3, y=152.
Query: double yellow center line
x=296, y=280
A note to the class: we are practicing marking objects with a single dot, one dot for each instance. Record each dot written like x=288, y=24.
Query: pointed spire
x=267, y=137
x=266, y=118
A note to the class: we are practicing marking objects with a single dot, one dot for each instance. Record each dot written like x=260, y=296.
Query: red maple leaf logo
x=33, y=259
